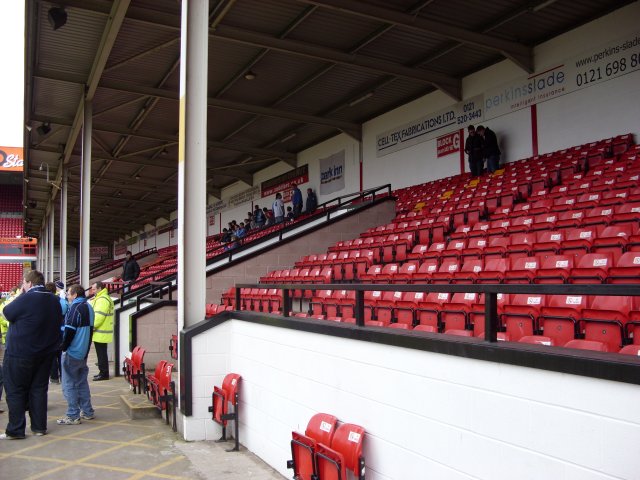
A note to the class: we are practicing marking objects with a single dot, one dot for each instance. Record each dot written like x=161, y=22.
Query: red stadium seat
x=428, y=311
x=587, y=345
x=494, y=270
x=522, y=270
x=605, y=320
x=519, y=317
x=592, y=268
x=537, y=340
x=554, y=269
x=627, y=269
x=320, y=429
x=559, y=318
x=221, y=399
x=344, y=455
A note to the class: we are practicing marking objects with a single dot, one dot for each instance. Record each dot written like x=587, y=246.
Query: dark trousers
x=26, y=383
x=55, y=366
x=476, y=166
x=103, y=359
x=297, y=209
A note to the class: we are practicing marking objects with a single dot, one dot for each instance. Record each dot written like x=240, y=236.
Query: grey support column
x=52, y=228
x=192, y=166
x=63, y=226
x=85, y=194
x=44, y=250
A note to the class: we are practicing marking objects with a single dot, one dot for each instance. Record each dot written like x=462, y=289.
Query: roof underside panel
x=292, y=79
x=56, y=99
x=70, y=49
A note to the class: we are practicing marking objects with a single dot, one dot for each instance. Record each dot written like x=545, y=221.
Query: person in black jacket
x=312, y=201
x=32, y=341
x=130, y=271
x=491, y=150
x=473, y=148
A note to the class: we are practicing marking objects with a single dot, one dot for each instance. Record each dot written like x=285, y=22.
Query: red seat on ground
x=221, y=399
x=320, y=429
x=344, y=455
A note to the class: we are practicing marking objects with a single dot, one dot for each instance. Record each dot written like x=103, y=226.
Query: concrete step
x=138, y=406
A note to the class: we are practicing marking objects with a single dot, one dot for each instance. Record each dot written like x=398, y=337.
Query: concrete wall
x=154, y=331
x=286, y=255
x=426, y=415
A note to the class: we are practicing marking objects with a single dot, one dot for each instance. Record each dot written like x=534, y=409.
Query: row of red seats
x=613, y=321
x=589, y=268
x=519, y=180
x=616, y=239
x=11, y=227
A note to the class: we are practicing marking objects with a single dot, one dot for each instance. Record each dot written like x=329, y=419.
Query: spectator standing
x=312, y=201
x=258, y=218
x=296, y=201
x=491, y=149
x=268, y=215
x=130, y=271
x=278, y=209
x=102, y=305
x=76, y=341
x=474, y=149
x=32, y=340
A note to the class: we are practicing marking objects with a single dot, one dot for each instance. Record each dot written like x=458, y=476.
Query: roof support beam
x=284, y=156
x=450, y=85
x=232, y=105
x=114, y=199
x=129, y=87
x=517, y=52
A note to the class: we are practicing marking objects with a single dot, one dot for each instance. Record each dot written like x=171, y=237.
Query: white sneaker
x=68, y=421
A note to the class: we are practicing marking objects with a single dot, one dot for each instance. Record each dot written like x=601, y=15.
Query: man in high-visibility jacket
x=102, y=328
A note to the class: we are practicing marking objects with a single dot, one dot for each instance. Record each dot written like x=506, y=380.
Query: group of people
x=265, y=217
x=48, y=324
x=482, y=145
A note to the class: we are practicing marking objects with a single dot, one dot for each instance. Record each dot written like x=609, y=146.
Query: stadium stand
x=10, y=276
x=571, y=216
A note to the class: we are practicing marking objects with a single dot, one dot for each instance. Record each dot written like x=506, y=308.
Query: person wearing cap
x=102, y=327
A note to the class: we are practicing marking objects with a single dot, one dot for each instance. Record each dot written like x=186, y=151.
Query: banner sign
x=285, y=182
x=121, y=248
x=448, y=144
x=216, y=207
x=332, y=173
x=101, y=251
x=165, y=228
x=11, y=159
x=430, y=126
x=593, y=66
x=243, y=197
